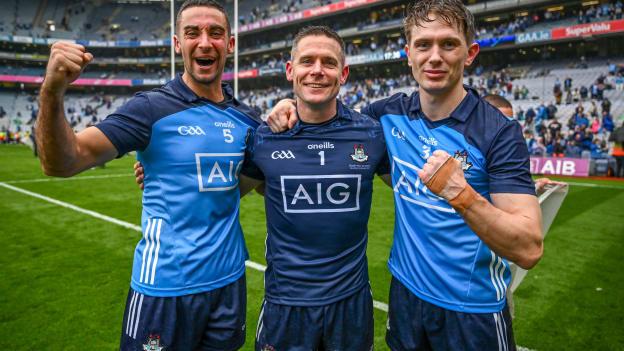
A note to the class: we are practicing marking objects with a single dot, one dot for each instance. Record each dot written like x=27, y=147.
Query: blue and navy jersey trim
x=138, y=115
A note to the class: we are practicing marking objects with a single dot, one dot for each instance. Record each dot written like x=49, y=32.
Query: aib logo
x=190, y=130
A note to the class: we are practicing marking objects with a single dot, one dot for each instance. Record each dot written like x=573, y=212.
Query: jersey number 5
x=227, y=135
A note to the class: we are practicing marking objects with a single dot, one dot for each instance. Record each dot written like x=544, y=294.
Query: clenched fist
x=67, y=60
x=443, y=175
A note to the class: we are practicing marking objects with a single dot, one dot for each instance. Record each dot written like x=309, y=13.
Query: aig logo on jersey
x=282, y=155
x=218, y=171
x=190, y=130
x=321, y=193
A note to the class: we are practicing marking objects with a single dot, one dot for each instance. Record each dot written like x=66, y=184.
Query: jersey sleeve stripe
x=147, y=245
x=157, y=250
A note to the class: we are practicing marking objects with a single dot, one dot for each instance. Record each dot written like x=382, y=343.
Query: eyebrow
x=324, y=58
x=196, y=27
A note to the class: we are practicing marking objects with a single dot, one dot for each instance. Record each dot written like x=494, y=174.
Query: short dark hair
x=207, y=3
x=497, y=101
x=453, y=12
x=322, y=31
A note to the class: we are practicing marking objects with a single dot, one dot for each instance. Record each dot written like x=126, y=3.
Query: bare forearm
x=56, y=140
x=516, y=237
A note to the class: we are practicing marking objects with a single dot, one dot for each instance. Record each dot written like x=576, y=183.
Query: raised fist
x=443, y=175
x=67, y=60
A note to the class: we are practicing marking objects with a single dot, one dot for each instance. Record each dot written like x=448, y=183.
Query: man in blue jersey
x=464, y=198
x=318, y=182
x=188, y=278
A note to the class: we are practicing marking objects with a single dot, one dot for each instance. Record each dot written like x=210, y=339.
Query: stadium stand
x=514, y=62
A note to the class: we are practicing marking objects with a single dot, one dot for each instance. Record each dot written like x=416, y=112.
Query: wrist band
x=466, y=198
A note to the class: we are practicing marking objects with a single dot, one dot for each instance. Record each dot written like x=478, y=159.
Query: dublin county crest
x=462, y=156
x=153, y=344
x=358, y=153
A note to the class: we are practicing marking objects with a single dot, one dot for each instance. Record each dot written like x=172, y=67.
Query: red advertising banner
x=250, y=73
x=588, y=29
x=560, y=166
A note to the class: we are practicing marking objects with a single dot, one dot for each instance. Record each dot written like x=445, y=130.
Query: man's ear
x=289, y=71
x=344, y=74
x=473, y=51
x=176, y=44
x=231, y=43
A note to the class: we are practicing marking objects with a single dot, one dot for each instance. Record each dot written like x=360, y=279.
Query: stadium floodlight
x=171, y=33
x=236, y=49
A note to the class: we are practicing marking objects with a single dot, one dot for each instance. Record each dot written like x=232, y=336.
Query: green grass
x=64, y=275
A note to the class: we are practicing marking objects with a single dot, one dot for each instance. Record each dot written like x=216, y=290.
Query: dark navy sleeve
x=383, y=167
x=129, y=128
x=250, y=168
x=508, y=163
x=375, y=110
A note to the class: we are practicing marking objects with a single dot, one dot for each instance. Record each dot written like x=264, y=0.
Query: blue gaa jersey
x=435, y=254
x=192, y=151
x=318, y=188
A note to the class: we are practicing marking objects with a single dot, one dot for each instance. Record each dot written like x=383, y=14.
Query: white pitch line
x=254, y=265
x=593, y=185
x=51, y=179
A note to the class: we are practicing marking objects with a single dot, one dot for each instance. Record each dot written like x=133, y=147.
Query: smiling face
x=317, y=70
x=438, y=53
x=204, y=43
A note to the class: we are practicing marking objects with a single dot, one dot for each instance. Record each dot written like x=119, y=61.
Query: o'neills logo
x=588, y=29
x=321, y=146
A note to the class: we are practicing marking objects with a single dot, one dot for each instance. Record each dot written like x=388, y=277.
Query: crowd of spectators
x=602, y=12
x=361, y=93
x=276, y=8
x=585, y=134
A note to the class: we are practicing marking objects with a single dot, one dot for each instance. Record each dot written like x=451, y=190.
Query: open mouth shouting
x=205, y=62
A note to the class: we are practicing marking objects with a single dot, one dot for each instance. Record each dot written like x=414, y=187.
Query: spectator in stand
x=542, y=113
x=583, y=92
x=557, y=88
x=554, y=128
x=567, y=84
x=606, y=105
x=617, y=137
x=559, y=146
x=607, y=121
x=551, y=111
x=525, y=92
x=595, y=125
x=593, y=109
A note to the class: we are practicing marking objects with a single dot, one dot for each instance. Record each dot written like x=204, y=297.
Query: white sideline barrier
x=550, y=202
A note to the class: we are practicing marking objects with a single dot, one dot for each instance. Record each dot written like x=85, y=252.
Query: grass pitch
x=64, y=275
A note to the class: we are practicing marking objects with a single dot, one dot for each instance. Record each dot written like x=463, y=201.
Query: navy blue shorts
x=214, y=320
x=344, y=325
x=414, y=324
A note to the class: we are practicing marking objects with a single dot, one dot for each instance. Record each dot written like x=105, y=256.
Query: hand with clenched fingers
x=67, y=60
x=449, y=181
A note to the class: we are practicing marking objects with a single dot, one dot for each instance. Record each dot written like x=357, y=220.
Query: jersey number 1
x=322, y=154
